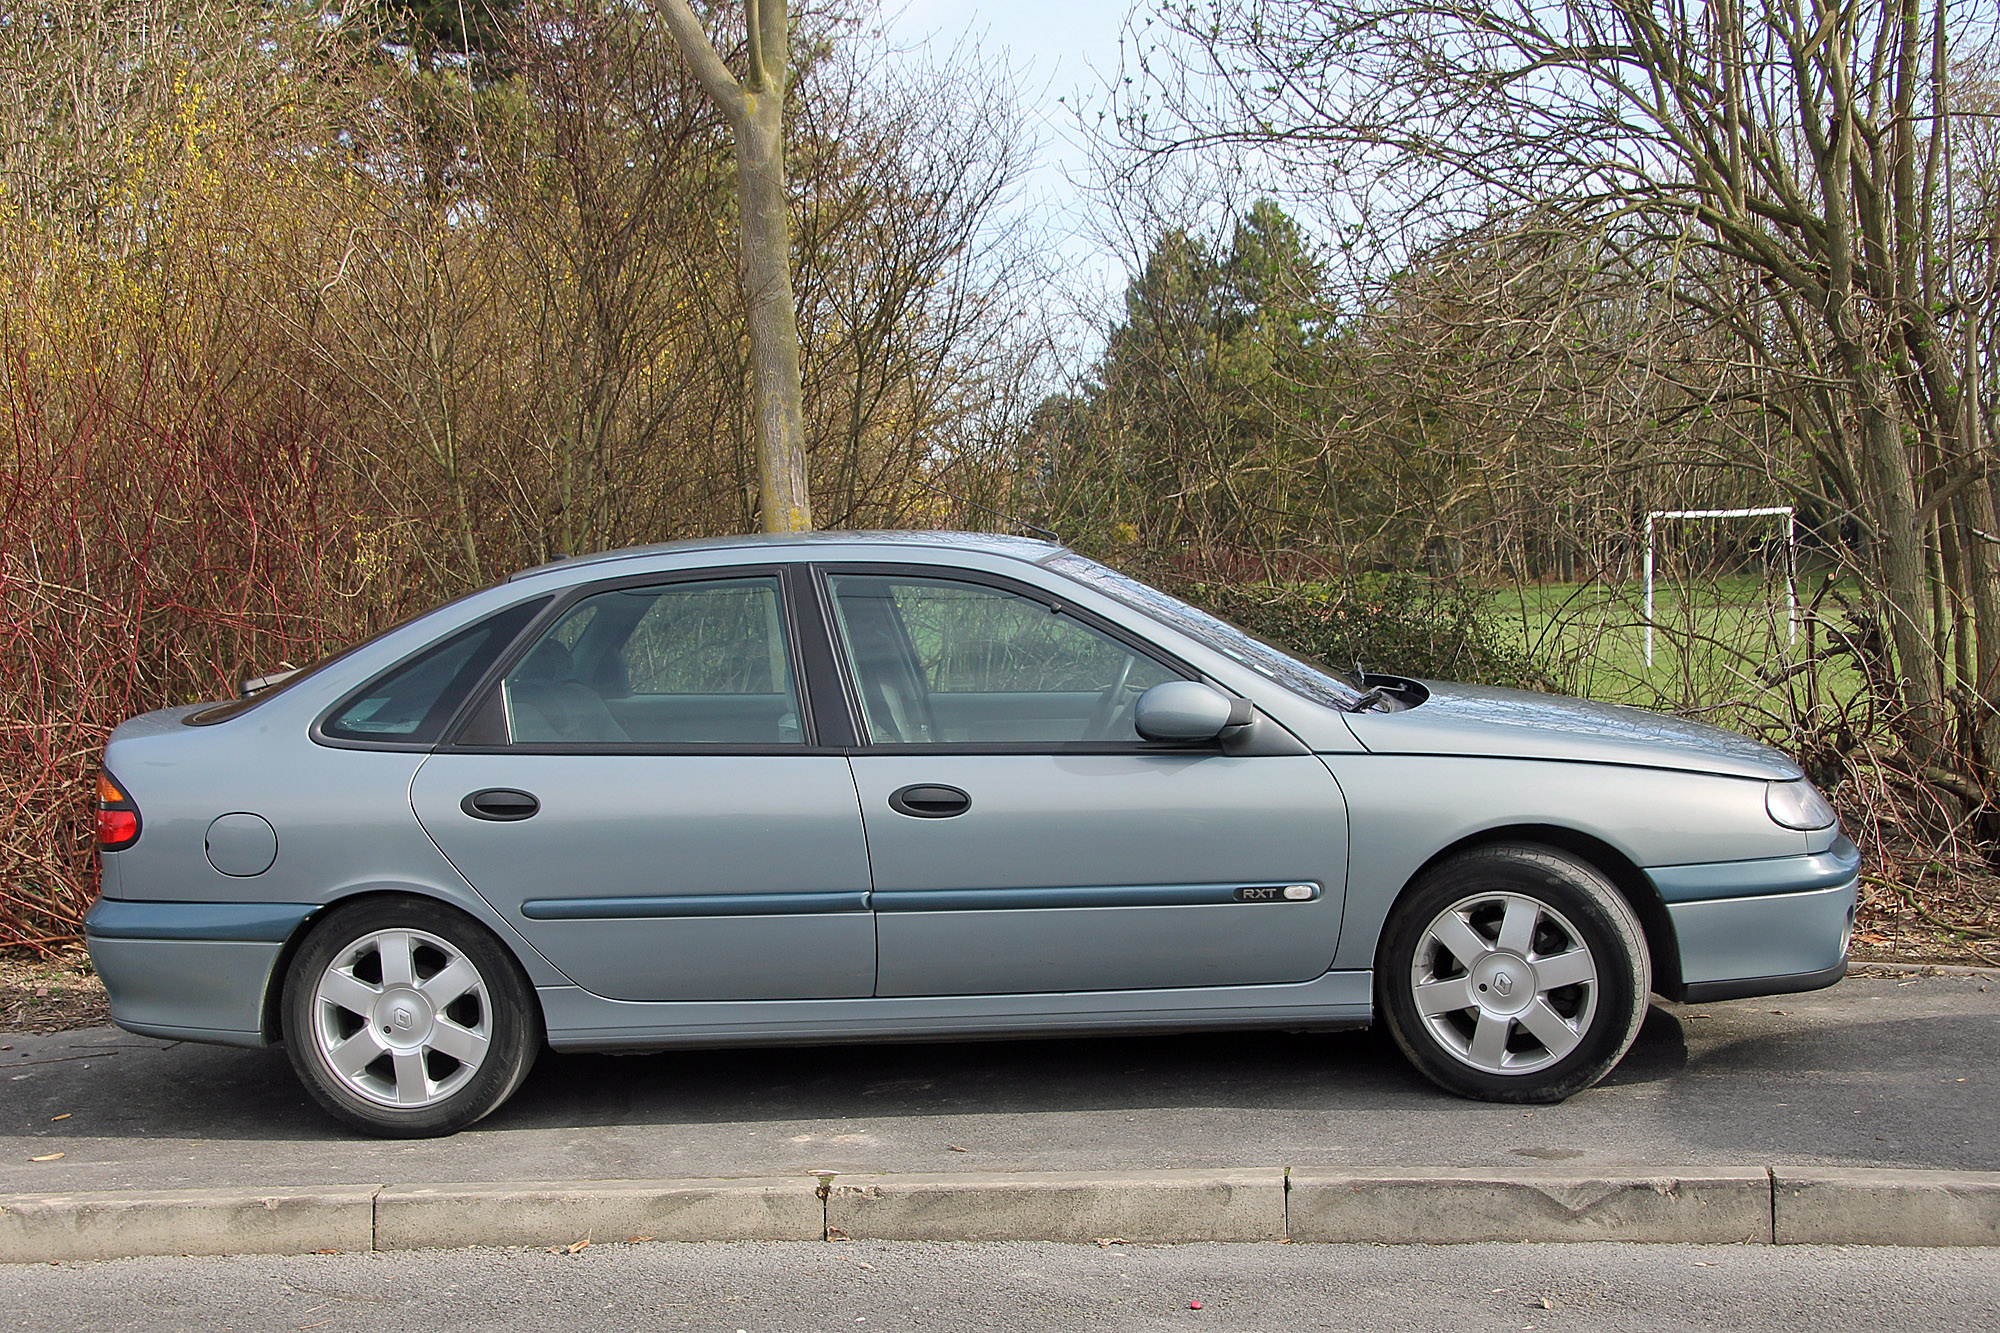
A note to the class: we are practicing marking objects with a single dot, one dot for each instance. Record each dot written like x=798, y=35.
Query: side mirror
x=1187, y=711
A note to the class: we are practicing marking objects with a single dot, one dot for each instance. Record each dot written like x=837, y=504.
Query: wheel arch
x=272, y=1017
x=1662, y=945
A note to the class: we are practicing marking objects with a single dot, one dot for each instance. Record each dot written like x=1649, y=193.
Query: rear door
x=1025, y=839
x=641, y=795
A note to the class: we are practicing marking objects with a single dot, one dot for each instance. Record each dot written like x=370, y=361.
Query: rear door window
x=687, y=663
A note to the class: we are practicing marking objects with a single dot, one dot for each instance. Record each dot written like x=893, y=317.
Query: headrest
x=549, y=661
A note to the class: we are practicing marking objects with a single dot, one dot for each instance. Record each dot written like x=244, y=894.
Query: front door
x=1025, y=839
x=644, y=807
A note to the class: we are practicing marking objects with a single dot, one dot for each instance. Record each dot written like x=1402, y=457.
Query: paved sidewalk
x=1876, y=1073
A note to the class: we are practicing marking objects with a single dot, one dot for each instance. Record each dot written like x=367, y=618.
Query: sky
x=1061, y=53
x=1057, y=48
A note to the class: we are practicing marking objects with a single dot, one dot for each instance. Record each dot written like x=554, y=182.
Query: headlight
x=1798, y=805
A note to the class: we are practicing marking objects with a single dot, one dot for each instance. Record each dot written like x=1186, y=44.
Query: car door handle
x=930, y=800
x=500, y=803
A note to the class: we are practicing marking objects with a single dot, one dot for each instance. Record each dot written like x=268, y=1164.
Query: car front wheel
x=408, y=1019
x=1513, y=973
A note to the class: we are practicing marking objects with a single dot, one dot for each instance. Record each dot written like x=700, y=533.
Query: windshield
x=1272, y=663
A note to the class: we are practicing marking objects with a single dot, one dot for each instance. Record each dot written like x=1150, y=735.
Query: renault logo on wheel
x=403, y=1018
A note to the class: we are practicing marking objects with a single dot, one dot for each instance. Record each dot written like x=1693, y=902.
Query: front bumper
x=190, y=971
x=1768, y=927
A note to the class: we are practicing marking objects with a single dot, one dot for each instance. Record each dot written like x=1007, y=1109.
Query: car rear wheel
x=1513, y=973
x=406, y=1018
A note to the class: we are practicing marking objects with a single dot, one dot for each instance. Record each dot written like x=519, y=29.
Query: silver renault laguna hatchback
x=848, y=786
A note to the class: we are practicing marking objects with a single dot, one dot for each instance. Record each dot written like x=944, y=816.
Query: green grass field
x=1716, y=641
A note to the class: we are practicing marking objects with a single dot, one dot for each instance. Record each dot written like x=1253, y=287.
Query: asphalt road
x=1872, y=1072
x=877, y=1288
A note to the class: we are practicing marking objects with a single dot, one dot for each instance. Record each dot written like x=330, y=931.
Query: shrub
x=1396, y=624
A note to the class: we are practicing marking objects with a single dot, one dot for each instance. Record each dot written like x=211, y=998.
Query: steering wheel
x=1105, y=711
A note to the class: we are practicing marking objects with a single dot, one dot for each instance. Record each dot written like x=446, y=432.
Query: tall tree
x=449, y=51
x=754, y=105
x=474, y=34
x=1201, y=429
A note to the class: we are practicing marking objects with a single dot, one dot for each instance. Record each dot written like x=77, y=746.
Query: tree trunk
x=755, y=108
x=1902, y=567
x=777, y=399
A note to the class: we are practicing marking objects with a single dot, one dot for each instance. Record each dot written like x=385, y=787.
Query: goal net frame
x=1790, y=515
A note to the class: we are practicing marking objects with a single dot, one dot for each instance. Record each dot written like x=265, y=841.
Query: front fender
x=1405, y=809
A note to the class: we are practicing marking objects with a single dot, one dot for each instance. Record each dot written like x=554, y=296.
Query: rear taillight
x=117, y=816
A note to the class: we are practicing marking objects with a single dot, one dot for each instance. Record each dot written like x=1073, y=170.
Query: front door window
x=938, y=661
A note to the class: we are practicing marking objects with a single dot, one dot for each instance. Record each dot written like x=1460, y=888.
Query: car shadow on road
x=140, y=1089
x=1659, y=1052
x=1350, y=1071
x=1126, y=1073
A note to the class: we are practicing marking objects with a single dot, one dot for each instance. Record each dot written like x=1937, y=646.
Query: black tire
x=442, y=1006
x=1540, y=1022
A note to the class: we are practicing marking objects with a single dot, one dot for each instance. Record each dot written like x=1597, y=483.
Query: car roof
x=985, y=543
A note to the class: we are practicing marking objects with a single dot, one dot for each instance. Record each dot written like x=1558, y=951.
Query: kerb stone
x=43, y=1228
x=1721, y=1205
x=1060, y=1206
x=448, y=1216
x=1864, y=1206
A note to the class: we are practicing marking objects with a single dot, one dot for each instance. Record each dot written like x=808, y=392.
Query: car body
x=849, y=786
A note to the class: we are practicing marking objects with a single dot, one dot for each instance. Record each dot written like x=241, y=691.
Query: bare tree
x=754, y=105
x=1814, y=153
x=902, y=279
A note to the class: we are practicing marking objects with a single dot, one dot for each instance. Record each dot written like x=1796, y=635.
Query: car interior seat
x=547, y=703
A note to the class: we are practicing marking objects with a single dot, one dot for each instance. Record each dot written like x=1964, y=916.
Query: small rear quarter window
x=411, y=702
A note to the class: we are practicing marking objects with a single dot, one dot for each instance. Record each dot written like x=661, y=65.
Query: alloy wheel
x=1504, y=982
x=402, y=1018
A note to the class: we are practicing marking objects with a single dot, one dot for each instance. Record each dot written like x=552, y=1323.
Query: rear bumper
x=190, y=971
x=1770, y=927
x=1707, y=992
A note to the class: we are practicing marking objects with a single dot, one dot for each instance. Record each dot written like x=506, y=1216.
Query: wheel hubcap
x=1504, y=983
x=404, y=1017
x=401, y=1017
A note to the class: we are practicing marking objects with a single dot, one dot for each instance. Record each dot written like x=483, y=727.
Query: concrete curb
x=1060, y=1205
x=38, y=1228
x=1712, y=1206
x=1863, y=1206
x=453, y=1216
x=1707, y=1205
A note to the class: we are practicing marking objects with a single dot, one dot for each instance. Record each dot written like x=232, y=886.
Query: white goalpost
x=1790, y=515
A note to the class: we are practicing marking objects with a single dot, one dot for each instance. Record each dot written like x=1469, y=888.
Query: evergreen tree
x=1202, y=425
